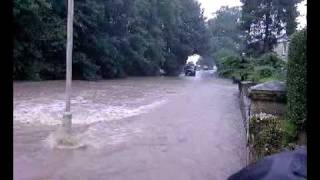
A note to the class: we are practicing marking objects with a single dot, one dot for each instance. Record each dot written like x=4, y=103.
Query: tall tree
x=265, y=20
x=112, y=38
x=226, y=38
x=39, y=36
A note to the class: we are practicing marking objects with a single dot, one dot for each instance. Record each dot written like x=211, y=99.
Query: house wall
x=281, y=49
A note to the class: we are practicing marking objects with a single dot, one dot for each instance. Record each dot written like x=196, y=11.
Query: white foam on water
x=63, y=141
x=84, y=111
x=96, y=136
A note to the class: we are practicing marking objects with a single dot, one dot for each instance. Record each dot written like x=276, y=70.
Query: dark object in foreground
x=290, y=165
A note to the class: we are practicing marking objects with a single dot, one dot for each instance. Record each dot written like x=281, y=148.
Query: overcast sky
x=211, y=6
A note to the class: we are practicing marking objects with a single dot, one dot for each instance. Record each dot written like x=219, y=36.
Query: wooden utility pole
x=67, y=117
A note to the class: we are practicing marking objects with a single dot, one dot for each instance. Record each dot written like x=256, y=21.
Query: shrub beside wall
x=265, y=136
x=296, y=86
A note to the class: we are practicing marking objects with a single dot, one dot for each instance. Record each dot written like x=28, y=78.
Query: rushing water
x=106, y=118
x=43, y=102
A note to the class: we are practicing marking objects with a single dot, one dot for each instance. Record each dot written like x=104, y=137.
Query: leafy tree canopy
x=113, y=38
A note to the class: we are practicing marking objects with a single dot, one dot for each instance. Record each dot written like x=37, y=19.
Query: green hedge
x=296, y=86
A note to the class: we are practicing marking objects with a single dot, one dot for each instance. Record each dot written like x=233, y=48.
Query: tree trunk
x=268, y=22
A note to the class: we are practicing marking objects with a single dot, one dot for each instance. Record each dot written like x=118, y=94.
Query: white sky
x=211, y=6
x=194, y=58
x=302, y=19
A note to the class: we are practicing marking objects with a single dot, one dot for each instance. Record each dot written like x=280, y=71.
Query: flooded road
x=153, y=128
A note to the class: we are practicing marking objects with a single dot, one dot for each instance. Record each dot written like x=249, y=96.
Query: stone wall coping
x=269, y=91
x=246, y=85
x=272, y=86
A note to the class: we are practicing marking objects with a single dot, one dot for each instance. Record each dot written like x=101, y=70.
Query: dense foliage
x=268, y=67
x=112, y=38
x=227, y=45
x=296, y=86
x=261, y=69
x=226, y=37
x=266, y=20
x=266, y=134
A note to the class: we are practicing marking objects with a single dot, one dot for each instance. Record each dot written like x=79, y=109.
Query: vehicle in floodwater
x=190, y=69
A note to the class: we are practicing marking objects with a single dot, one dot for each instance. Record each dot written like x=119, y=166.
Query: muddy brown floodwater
x=157, y=128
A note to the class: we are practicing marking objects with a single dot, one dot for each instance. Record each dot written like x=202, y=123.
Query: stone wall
x=245, y=100
x=267, y=107
x=245, y=108
x=255, y=98
x=268, y=98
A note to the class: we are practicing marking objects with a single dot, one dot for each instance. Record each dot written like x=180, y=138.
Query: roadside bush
x=265, y=71
x=281, y=74
x=296, y=87
x=232, y=67
x=265, y=68
x=266, y=135
x=220, y=55
x=268, y=67
x=229, y=66
x=261, y=72
x=272, y=60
